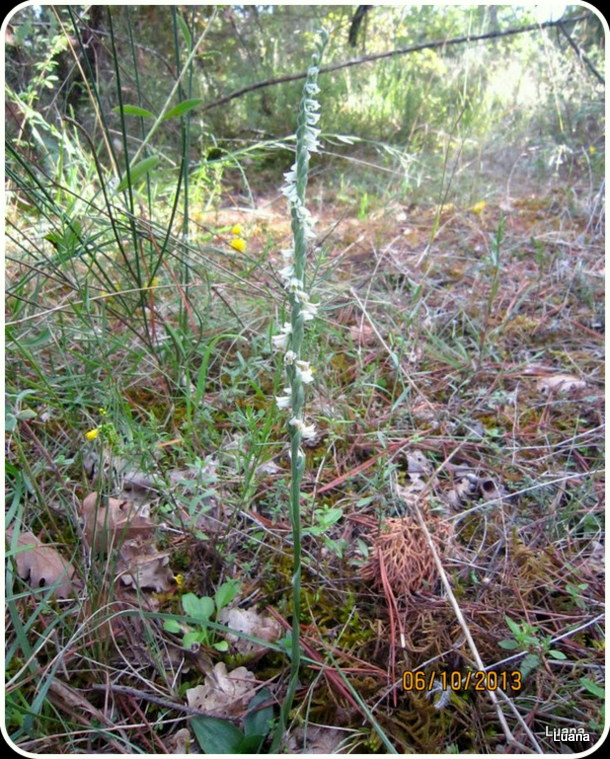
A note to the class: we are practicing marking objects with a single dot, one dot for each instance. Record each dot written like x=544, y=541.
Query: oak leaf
x=223, y=694
x=252, y=623
x=564, y=384
x=42, y=565
x=108, y=523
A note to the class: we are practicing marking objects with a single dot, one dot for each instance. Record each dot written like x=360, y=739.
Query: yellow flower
x=592, y=150
x=236, y=230
x=155, y=282
x=92, y=434
x=238, y=244
x=479, y=207
x=179, y=580
x=102, y=411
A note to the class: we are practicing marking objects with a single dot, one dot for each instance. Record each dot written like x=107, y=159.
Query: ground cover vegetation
x=304, y=429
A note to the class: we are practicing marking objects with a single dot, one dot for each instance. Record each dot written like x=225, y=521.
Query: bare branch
x=389, y=54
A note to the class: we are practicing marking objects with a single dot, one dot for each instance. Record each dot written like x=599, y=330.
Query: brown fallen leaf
x=142, y=565
x=223, y=694
x=464, y=490
x=317, y=739
x=42, y=565
x=109, y=523
x=252, y=623
x=179, y=742
x=564, y=384
x=362, y=334
x=418, y=464
x=491, y=490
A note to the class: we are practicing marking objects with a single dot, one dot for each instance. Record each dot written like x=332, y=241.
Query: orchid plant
x=289, y=339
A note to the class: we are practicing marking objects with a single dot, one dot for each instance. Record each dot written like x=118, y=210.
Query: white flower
x=309, y=311
x=283, y=401
x=312, y=118
x=289, y=188
x=311, y=88
x=280, y=342
x=308, y=431
x=311, y=142
x=287, y=254
x=287, y=272
x=307, y=220
x=289, y=357
x=290, y=192
x=290, y=176
x=300, y=454
x=304, y=371
x=294, y=284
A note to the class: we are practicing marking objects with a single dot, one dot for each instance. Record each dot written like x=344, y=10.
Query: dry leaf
x=108, y=525
x=418, y=465
x=316, y=740
x=490, y=490
x=464, y=489
x=141, y=564
x=362, y=334
x=268, y=467
x=224, y=695
x=561, y=383
x=42, y=565
x=252, y=623
x=179, y=742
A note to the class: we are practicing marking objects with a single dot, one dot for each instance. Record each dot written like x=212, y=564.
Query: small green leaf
x=185, y=32
x=222, y=646
x=26, y=413
x=592, y=687
x=184, y=107
x=134, y=110
x=226, y=593
x=192, y=641
x=172, y=626
x=216, y=736
x=513, y=626
x=137, y=172
x=509, y=644
x=200, y=609
x=557, y=655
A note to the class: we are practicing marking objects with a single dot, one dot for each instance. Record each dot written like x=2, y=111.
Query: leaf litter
x=223, y=694
x=42, y=565
x=506, y=556
x=124, y=525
